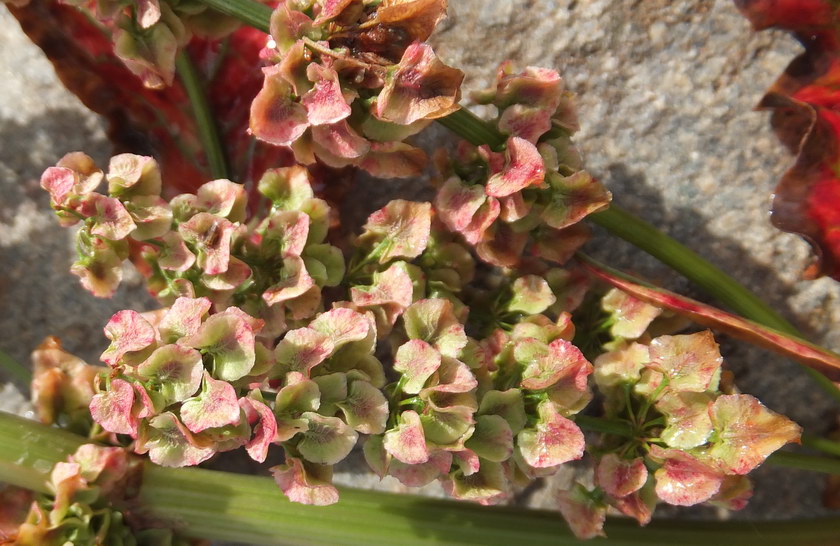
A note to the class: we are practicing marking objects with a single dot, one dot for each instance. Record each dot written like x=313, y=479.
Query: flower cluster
x=351, y=80
x=532, y=194
x=691, y=437
x=147, y=34
x=80, y=508
x=199, y=245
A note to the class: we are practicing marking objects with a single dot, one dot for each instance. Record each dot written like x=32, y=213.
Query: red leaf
x=159, y=122
x=823, y=361
x=806, y=117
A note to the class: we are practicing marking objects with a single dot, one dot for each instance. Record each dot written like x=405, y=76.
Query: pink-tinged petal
x=638, y=505
x=306, y=305
x=237, y=273
x=407, y=442
x=328, y=440
x=507, y=404
x=746, y=432
x=294, y=282
x=298, y=396
x=152, y=216
x=492, y=439
x=503, y=247
x=302, y=349
x=144, y=406
x=531, y=295
x=434, y=321
x=623, y=365
x=129, y=332
x=288, y=188
x=332, y=9
x=210, y=236
x=148, y=12
x=255, y=324
x=104, y=465
x=487, y=486
x=422, y=87
x=365, y=408
x=110, y=218
x=305, y=483
x=514, y=208
x=286, y=233
x=324, y=103
x=620, y=477
x=176, y=371
x=690, y=362
x=287, y=26
x=112, y=408
x=230, y=341
x=65, y=481
x=573, y=198
x=216, y=406
x=391, y=290
x=684, y=480
x=339, y=140
x=523, y=167
x=418, y=18
x=688, y=424
x=450, y=423
x=150, y=55
x=183, y=319
x=419, y=475
x=416, y=360
x=133, y=174
x=170, y=443
x=558, y=361
x=342, y=326
x=265, y=431
x=60, y=183
x=275, y=117
x=375, y=455
x=584, y=515
x=454, y=376
x=100, y=271
x=394, y=160
x=293, y=67
x=527, y=122
x=175, y=255
x=457, y=204
x=402, y=227
x=535, y=86
x=553, y=441
x=467, y=460
x=559, y=245
x=223, y=198
x=476, y=231
x=569, y=285
x=631, y=316
x=735, y=493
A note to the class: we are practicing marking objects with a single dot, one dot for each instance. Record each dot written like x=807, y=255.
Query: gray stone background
x=665, y=90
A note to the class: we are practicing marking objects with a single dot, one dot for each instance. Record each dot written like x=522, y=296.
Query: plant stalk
x=15, y=368
x=249, y=12
x=205, y=122
x=223, y=506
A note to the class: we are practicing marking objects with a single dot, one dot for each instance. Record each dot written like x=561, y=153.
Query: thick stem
x=473, y=129
x=223, y=506
x=204, y=120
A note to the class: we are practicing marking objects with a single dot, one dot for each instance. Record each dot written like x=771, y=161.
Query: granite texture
x=666, y=90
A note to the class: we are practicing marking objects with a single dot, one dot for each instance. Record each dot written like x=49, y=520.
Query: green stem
x=223, y=506
x=682, y=259
x=803, y=461
x=821, y=444
x=249, y=12
x=205, y=121
x=473, y=129
x=15, y=368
